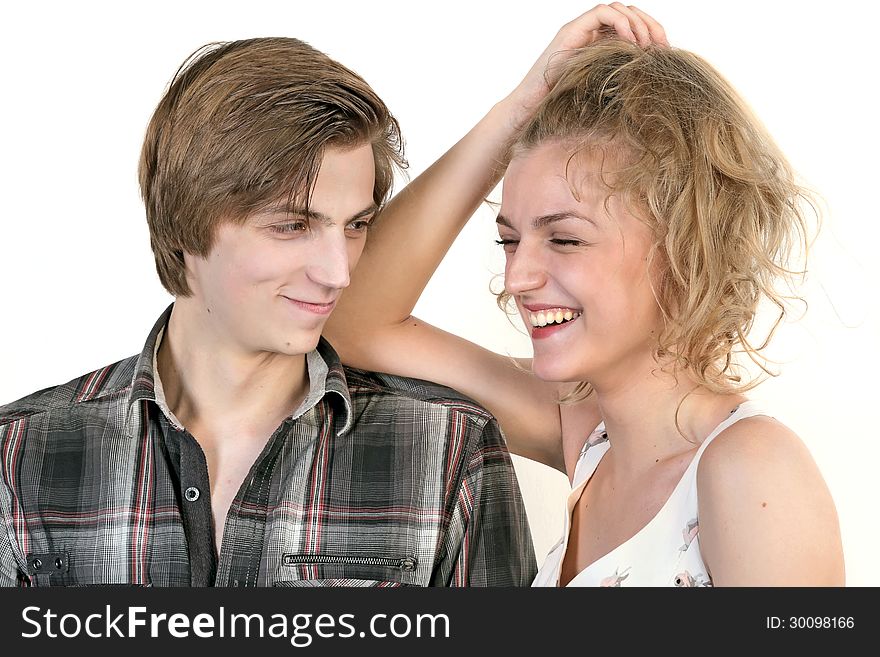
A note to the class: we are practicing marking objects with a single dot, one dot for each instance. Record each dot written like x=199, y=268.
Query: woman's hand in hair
x=602, y=21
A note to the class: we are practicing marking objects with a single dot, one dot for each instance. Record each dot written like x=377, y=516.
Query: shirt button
x=191, y=493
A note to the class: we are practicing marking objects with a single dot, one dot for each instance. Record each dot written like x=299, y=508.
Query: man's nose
x=330, y=262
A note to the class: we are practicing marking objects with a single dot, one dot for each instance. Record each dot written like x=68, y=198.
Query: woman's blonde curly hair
x=727, y=215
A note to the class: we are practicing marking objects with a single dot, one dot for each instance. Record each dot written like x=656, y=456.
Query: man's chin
x=297, y=346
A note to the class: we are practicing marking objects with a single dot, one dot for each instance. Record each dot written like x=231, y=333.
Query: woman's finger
x=636, y=23
x=658, y=34
x=583, y=30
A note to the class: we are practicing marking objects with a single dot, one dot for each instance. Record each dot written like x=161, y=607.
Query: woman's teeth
x=552, y=316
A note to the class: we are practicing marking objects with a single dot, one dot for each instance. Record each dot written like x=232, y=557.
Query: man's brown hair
x=243, y=125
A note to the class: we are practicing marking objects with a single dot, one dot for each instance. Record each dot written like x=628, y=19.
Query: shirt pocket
x=349, y=570
x=62, y=568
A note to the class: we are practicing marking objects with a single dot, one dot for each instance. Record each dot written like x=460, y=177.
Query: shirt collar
x=142, y=383
x=335, y=382
x=326, y=376
x=158, y=390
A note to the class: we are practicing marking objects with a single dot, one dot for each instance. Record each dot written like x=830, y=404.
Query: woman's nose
x=524, y=271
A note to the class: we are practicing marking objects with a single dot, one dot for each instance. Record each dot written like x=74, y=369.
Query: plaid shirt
x=375, y=481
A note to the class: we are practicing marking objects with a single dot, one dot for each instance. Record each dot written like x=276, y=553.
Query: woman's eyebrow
x=547, y=219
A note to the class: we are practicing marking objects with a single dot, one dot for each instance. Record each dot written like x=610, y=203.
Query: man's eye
x=360, y=225
x=295, y=227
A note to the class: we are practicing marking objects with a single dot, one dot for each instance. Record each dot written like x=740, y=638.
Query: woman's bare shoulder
x=766, y=514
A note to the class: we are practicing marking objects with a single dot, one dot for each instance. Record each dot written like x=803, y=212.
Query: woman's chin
x=556, y=372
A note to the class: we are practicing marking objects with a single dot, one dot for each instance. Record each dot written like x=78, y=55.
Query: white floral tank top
x=666, y=551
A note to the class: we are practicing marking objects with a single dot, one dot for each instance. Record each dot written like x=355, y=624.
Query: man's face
x=269, y=284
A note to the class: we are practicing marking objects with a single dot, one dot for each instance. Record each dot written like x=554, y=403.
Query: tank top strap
x=682, y=502
x=745, y=410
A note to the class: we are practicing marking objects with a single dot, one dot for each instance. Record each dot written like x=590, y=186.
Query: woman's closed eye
x=562, y=241
x=507, y=244
x=557, y=241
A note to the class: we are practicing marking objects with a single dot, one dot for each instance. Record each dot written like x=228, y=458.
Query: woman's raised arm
x=372, y=327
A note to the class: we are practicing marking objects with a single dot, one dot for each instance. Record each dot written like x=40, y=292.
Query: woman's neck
x=652, y=416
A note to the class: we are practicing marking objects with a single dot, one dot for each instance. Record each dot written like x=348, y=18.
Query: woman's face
x=579, y=258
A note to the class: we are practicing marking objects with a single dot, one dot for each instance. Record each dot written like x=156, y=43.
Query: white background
x=78, y=287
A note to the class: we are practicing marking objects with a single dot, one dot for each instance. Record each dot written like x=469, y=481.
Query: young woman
x=645, y=215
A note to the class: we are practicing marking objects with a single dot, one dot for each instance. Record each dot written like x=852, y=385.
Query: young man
x=235, y=449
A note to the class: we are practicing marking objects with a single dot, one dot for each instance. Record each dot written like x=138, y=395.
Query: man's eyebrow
x=547, y=219
x=313, y=215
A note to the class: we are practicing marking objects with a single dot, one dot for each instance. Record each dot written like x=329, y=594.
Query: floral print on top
x=686, y=579
x=595, y=438
x=615, y=579
x=690, y=533
x=666, y=551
